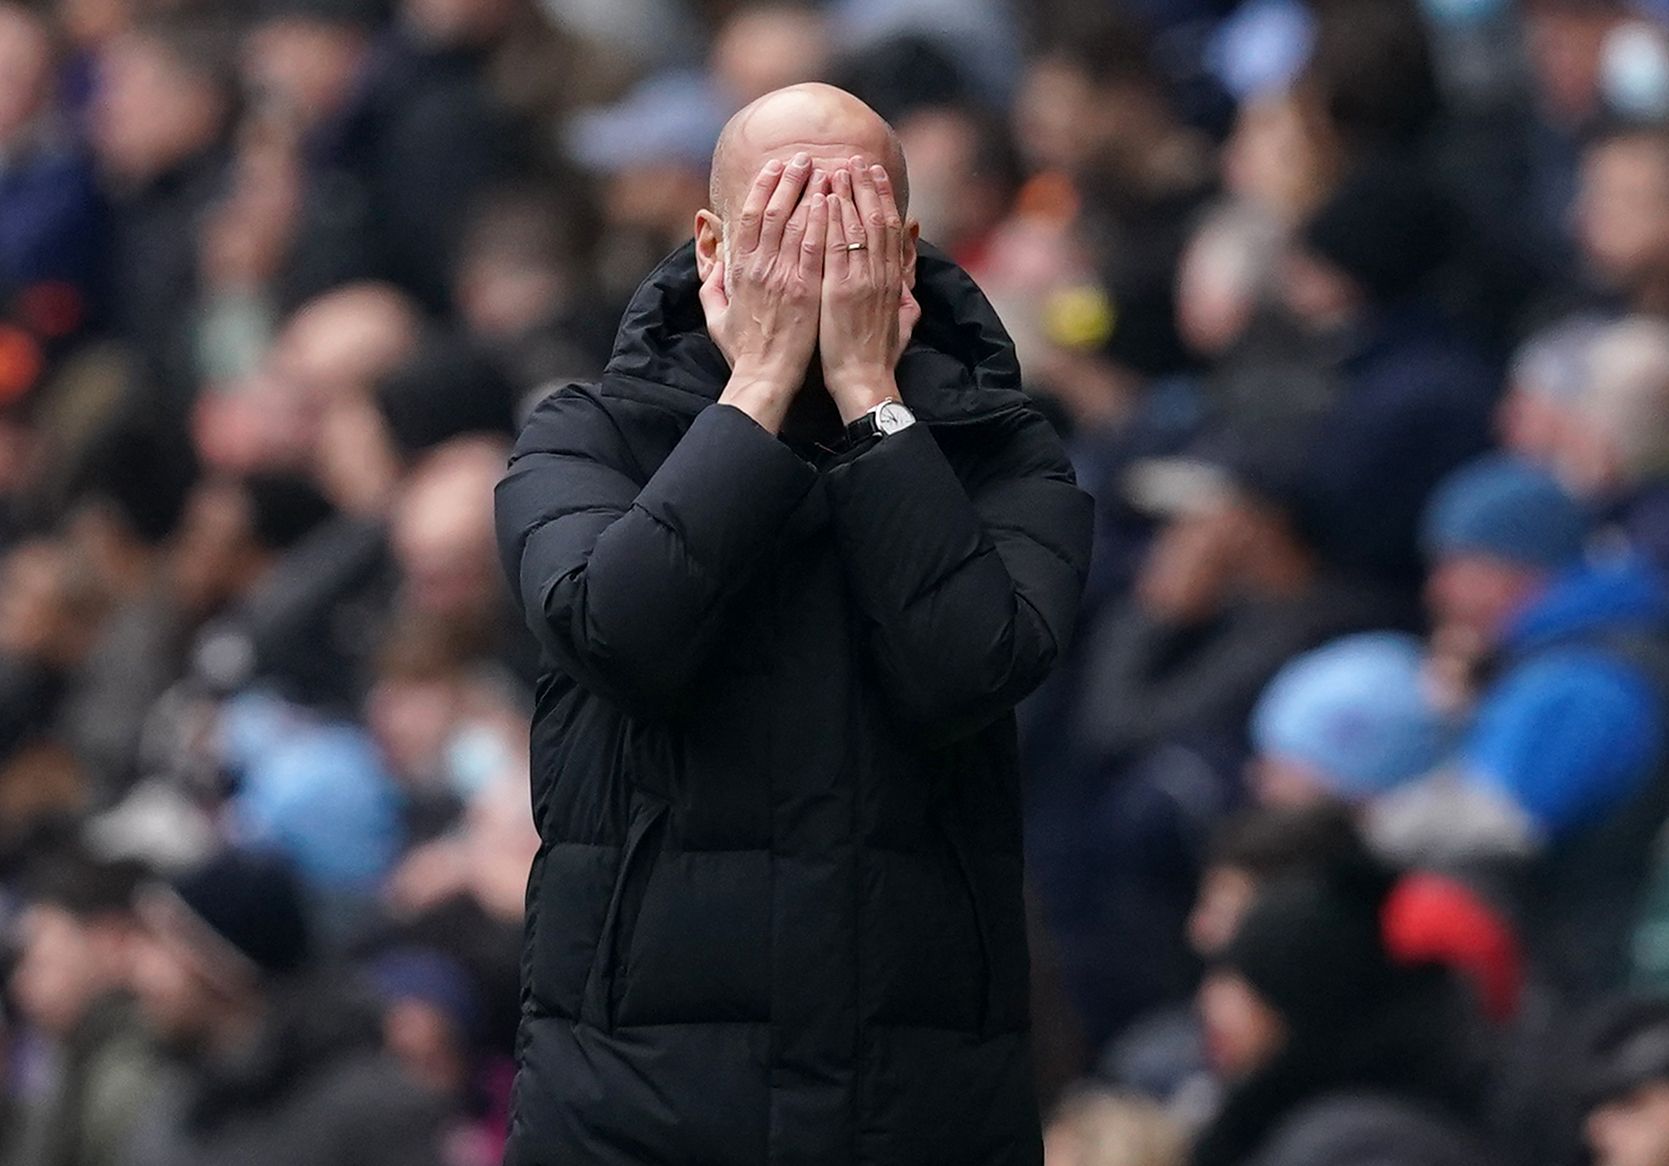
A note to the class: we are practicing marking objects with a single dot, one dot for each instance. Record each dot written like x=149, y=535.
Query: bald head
x=828, y=123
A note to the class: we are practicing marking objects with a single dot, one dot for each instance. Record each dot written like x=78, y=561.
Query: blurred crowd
x=1343, y=812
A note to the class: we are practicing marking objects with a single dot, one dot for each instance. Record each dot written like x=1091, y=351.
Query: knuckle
x=894, y=223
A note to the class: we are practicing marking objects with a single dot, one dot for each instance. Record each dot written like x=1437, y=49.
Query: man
x=1612, y=443
x=77, y=937
x=792, y=563
x=281, y=1069
x=158, y=125
x=392, y=146
x=1559, y=665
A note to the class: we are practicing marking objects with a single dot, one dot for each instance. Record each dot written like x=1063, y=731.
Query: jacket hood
x=960, y=365
x=1621, y=594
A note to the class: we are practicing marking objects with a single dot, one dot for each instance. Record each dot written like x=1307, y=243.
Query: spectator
x=388, y=149
x=1348, y=721
x=77, y=940
x=1334, y=1053
x=1162, y=1054
x=1414, y=399
x=1615, y=442
x=521, y=288
x=432, y=1023
x=51, y=218
x=278, y=1071
x=1621, y=209
x=159, y=123
x=1549, y=374
x=1514, y=603
x=965, y=174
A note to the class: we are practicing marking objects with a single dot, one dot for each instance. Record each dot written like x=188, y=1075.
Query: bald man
x=791, y=564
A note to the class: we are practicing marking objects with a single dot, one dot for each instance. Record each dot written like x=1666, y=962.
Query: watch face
x=892, y=417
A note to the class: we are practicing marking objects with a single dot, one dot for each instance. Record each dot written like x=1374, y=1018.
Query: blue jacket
x=51, y=222
x=1574, y=727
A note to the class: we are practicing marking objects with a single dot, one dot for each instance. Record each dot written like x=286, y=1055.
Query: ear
x=912, y=237
x=709, y=237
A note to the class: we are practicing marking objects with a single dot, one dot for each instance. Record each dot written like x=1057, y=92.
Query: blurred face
x=1633, y=1130
x=214, y=557
x=1532, y=424
x=176, y=1001
x=1277, y=157
x=38, y=617
x=443, y=535
x=1565, y=45
x=1622, y=210
x=458, y=22
x=1323, y=298
x=426, y=1042
x=1225, y=894
x=91, y=22
x=308, y=67
x=149, y=114
x=765, y=50
x=953, y=200
x=1242, y=1033
x=1480, y=596
x=25, y=70
x=1286, y=782
x=65, y=967
x=1051, y=120
x=412, y=721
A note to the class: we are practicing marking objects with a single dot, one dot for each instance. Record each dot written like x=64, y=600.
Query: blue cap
x=671, y=117
x=322, y=798
x=1505, y=508
x=1355, y=713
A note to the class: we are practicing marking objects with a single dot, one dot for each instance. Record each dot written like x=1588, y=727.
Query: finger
x=753, y=207
x=851, y=227
x=816, y=242
x=839, y=263
x=894, y=223
x=713, y=298
x=793, y=235
x=869, y=212
x=783, y=202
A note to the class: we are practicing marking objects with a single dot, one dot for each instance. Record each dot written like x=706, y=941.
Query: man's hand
x=761, y=299
x=868, y=313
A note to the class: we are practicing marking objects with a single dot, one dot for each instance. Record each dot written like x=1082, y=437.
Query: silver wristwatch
x=889, y=417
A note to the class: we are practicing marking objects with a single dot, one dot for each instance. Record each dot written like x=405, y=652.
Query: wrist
x=857, y=392
x=762, y=396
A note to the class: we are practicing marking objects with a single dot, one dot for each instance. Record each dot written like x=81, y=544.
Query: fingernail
x=802, y=160
x=880, y=173
x=817, y=202
x=774, y=166
x=817, y=177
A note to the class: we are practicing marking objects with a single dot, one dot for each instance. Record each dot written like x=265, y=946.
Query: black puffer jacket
x=777, y=915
